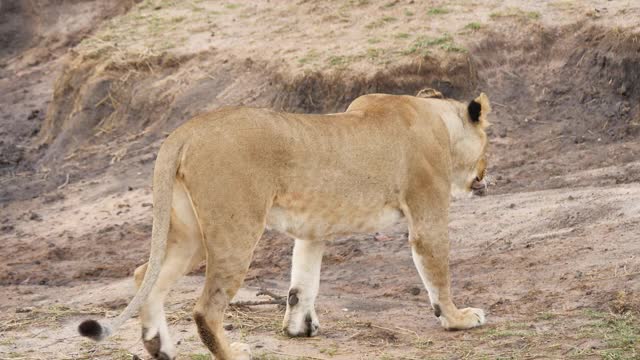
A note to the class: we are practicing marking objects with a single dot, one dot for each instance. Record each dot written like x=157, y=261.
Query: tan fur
x=314, y=177
x=430, y=93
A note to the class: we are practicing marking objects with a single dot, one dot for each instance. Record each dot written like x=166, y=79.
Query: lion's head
x=469, y=145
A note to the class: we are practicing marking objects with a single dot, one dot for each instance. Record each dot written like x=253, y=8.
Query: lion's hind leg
x=184, y=252
x=231, y=233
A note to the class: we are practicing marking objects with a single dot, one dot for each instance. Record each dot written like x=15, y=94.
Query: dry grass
x=517, y=13
x=39, y=317
x=151, y=29
x=306, y=32
x=438, y=11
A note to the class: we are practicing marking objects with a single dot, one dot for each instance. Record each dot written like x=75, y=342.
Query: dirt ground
x=88, y=90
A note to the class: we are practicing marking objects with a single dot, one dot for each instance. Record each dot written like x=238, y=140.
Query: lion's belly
x=328, y=224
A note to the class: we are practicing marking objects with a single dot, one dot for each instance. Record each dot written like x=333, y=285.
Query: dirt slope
x=552, y=253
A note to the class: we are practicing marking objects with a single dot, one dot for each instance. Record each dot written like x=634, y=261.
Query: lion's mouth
x=479, y=187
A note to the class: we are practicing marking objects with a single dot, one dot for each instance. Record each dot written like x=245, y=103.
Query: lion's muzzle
x=479, y=186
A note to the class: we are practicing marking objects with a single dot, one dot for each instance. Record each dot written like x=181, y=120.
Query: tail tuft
x=93, y=330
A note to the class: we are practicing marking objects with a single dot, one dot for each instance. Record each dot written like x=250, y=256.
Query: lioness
x=223, y=176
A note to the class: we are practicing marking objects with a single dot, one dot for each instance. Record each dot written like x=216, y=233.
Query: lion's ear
x=430, y=93
x=478, y=109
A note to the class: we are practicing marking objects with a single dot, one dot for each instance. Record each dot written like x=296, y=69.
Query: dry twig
x=275, y=299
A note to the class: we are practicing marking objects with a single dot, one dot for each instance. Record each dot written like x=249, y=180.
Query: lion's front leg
x=300, y=318
x=429, y=238
x=430, y=255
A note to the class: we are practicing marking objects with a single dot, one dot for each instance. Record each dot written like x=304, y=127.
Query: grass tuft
x=338, y=61
x=199, y=356
x=381, y=22
x=309, y=57
x=513, y=12
x=473, y=26
x=438, y=11
x=423, y=44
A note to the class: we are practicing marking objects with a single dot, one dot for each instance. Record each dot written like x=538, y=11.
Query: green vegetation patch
x=438, y=11
x=423, y=44
x=518, y=13
x=621, y=333
x=199, y=357
x=473, y=26
x=339, y=60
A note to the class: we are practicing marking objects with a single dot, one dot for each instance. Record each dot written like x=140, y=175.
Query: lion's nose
x=479, y=186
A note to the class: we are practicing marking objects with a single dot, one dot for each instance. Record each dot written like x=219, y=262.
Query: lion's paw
x=240, y=351
x=465, y=319
x=301, y=324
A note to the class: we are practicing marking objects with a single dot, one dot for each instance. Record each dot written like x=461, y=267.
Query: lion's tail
x=164, y=174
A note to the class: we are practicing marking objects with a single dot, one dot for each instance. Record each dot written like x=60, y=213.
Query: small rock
x=414, y=291
x=512, y=206
x=48, y=199
x=146, y=204
x=624, y=107
x=228, y=327
x=35, y=216
x=33, y=114
x=622, y=90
